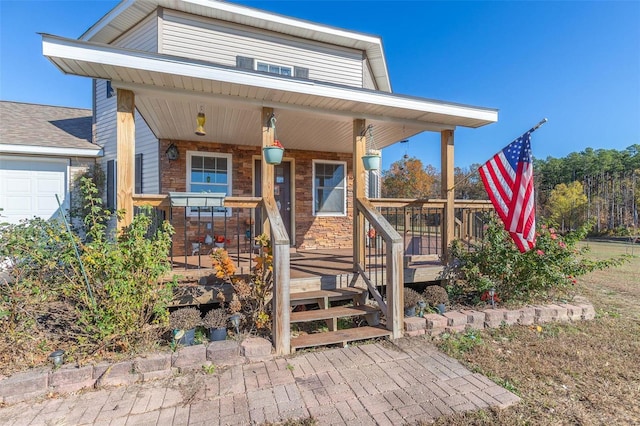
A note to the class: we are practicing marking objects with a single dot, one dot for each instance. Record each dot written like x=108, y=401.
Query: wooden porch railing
x=391, y=267
x=421, y=224
x=281, y=262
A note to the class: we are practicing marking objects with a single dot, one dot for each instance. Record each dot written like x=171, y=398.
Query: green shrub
x=550, y=268
x=107, y=294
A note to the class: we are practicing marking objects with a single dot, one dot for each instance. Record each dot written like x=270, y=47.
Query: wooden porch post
x=126, y=149
x=267, y=170
x=281, y=328
x=446, y=151
x=359, y=149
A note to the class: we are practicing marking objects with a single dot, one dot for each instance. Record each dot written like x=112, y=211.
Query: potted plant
x=411, y=299
x=219, y=241
x=372, y=159
x=183, y=322
x=437, y=297
x=273, y=154
x=216, y=322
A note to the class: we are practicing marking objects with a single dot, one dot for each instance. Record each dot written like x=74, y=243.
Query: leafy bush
x=550, y=268
x=96, y=291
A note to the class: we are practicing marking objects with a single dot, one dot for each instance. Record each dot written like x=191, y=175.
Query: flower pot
x=371, y=162
x=410, y=312
x=441, y=308
x=184, y=337
x=217, y=334
x=272, y=154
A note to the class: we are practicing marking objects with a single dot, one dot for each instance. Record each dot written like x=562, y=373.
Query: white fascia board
x=46, y=150
x=107, y=19
x=84, y=52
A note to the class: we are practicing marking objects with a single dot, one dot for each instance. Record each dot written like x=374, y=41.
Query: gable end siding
x=144, y=36
x=221, y=43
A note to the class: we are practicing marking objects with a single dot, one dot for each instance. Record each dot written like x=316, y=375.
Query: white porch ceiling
x=169, y=92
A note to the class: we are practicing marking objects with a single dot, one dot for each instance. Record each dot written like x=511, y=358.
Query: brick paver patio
x=380, y=383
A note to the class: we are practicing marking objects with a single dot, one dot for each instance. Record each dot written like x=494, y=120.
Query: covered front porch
x=312, y=116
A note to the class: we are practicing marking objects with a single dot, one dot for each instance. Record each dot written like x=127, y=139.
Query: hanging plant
x=273, y=154
x=373, y=157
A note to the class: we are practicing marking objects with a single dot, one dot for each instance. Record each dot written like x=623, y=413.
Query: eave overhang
x=162, y=83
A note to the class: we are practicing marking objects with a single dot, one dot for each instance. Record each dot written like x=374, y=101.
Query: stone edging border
x=47, y=381
x=461, y=320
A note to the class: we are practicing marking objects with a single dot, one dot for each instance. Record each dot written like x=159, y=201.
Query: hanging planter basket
x=273, y=154
x=372, y=160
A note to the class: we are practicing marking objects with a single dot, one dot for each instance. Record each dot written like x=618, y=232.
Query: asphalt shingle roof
x=45, y=125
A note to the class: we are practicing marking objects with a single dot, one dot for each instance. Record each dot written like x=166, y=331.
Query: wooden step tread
x=308, y=297
x=335, y=312
x=339, y=336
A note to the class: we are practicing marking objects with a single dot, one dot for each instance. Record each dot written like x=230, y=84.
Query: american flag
x=508, y=179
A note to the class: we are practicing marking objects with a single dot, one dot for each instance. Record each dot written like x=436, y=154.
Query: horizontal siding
x=147, y=145
x=368, y=82
x=220, y=43
x=143, y=36
x=146, y=142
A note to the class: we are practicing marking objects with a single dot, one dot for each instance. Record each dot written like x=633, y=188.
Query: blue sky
x=576, y=63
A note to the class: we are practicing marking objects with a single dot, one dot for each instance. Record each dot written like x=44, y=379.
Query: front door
x=281, y=192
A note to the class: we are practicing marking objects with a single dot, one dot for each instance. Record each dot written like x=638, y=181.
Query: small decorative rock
x=435, y=324
x=415, y=324
x=475, y=319
x=256, y=349
x=544, y=314
x=574, y=313
x=511, y=317
x=527, y=316
x=493, y=317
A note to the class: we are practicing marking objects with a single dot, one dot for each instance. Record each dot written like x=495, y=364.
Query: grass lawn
x=585, y=373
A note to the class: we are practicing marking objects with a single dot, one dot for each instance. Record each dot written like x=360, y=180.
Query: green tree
x=408, y=178
x=566, y=205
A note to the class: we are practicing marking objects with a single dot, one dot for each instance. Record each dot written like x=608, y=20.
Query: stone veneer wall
x=310, y=232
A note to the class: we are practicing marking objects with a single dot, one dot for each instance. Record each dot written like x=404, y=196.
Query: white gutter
x=67, y=49
x=45, y=150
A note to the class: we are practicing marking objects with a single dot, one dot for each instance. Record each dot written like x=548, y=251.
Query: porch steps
x=338, y=336
x=323, y=297
x=330, y=313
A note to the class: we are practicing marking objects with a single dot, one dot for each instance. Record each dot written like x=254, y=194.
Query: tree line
x=602, y=185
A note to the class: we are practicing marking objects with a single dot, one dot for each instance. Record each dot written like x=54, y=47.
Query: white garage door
x=28, y=187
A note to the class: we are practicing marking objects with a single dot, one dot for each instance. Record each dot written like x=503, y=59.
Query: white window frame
x=344, y=187
x=291, y=68
x=229, y=158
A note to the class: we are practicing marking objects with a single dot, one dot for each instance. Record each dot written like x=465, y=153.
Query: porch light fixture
x=172, y=152
x=200, y=120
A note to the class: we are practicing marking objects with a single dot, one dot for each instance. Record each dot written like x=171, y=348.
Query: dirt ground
x=585, y=373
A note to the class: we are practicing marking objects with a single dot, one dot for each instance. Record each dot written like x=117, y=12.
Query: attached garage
x=28, y=187
x=40, y=161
